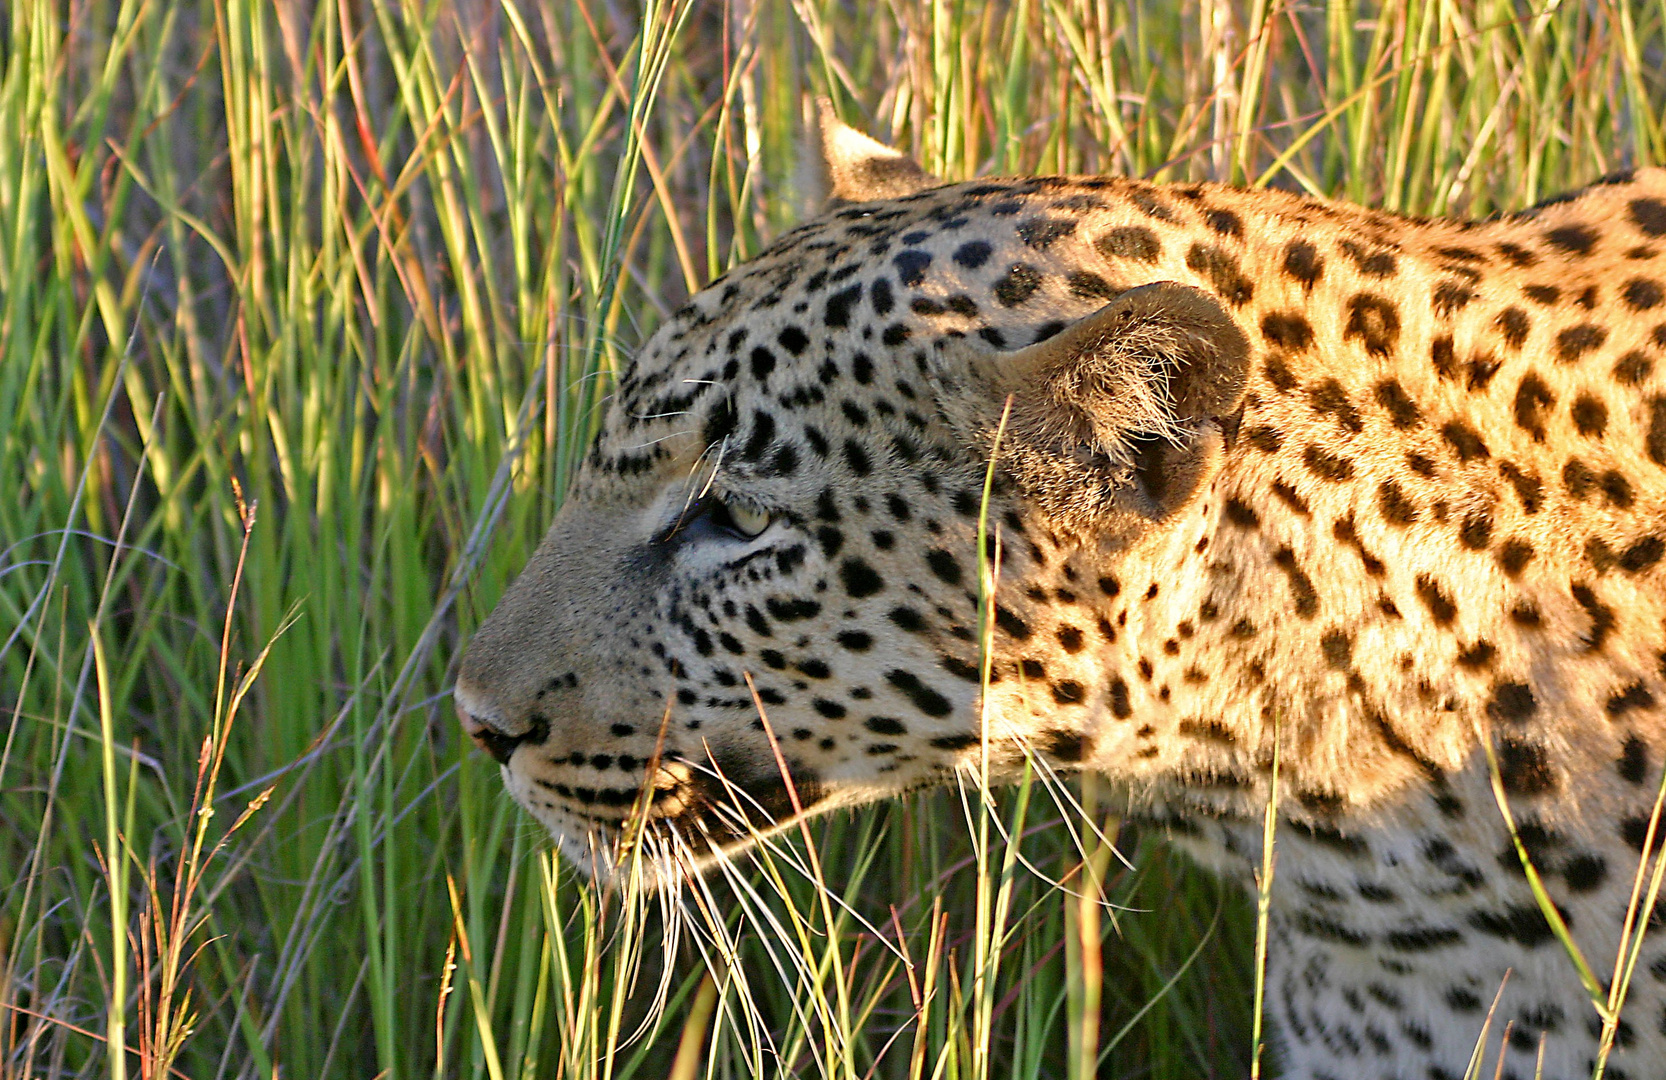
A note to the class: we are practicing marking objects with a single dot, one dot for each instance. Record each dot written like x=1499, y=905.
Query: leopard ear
x=1117, y=418
x=858, y=169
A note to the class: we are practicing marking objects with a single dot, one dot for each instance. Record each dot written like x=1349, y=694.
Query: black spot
x=1463, y=438
x=859, y=578
x=1130, y=242
x=1543, y=294
x=785, y=460
x=885, y=725
x=1402, y=411
x=1601, y=615
x=1533, y=397
x=1017, y=285
x=1511, y=702
x=1287, y=330
x=763, y=433
x=973, y=255
x=1649, y=215
x=1040, y=233
x=1635, y=830
x=1328, y=398
x=1529, y=488
x=907, y=618
x=1615, y=488
x=1278, y=373
x=1397, y=507
x=1635, y=696
x=839, y=304
x=1476, y=531
x=944, y=565
x=1461, y=1000
x=1327, y=466
x=1574, y=342
x=1514, y=922
x=924, y=698
x=856, y=456
x=1441, y=608
x=1264, y=438
x=1220, y=269
x=1641, y=294
x=1478, y=655
x=1089, y=286
x=1303, y=263
x=1120, y=708
x=1012, y=625
x=1241, y=514
x=1337, y=648
x=855, y=640
x=1301, y=586
x=1524, y=767
x=1634, y=760
x=879, y=295
x=1374, y=321
x=1642, y=555
x=1655, y=441
x=1372, y=264
x=1518, y=255
x=1444, y=357
x=896, y=334
x=1452, y=296
x=719, y=423
x=1634, y=367
x=1422, y=938
x=1585, y=872
x=1514, y=325
x=911, y=266
x=1327, y=836
x=1578, y=478
x=1574, y=239
x=1224, y=222
x=1066, y=692
x=1515, y=555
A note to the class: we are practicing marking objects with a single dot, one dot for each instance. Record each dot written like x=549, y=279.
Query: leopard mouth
x=696, y=813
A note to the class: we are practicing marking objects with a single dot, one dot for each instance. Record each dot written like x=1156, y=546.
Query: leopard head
x=761, y=598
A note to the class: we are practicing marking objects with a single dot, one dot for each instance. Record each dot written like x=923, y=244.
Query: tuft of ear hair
x=858, y=169
x=1117, y=421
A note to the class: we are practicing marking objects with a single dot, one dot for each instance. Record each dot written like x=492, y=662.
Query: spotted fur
x=1273, y=469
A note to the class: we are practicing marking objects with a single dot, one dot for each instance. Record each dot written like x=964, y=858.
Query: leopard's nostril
x=495, y=741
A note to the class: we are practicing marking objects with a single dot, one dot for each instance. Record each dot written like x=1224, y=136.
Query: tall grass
x=306, y=314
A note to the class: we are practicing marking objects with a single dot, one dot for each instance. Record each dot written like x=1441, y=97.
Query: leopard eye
x=746, y=519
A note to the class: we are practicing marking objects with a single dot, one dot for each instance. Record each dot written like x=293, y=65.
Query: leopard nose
x=490, y=735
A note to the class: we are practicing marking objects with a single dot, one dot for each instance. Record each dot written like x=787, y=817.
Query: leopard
x=1210, y=492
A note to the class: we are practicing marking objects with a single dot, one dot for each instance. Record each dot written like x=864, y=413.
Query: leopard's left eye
x=744, y=517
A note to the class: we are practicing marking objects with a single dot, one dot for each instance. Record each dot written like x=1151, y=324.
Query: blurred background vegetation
x=306, y=313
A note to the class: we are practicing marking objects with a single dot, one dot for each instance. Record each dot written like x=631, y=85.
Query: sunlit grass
x=306, y=314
